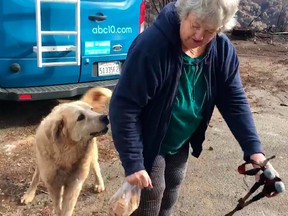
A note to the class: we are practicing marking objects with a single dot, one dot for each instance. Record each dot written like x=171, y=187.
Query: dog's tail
x=98, y=98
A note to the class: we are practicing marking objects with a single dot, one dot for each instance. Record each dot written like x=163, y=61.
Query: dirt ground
x=212, y=185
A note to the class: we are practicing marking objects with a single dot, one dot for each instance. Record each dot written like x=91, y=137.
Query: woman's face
x=194, y=33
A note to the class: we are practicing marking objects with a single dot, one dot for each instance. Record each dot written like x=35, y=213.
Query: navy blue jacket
x=142, y=101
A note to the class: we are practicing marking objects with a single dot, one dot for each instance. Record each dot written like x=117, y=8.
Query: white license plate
x=109, y=68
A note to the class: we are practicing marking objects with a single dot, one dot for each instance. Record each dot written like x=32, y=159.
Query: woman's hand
x=259, y=158
x=140, y=178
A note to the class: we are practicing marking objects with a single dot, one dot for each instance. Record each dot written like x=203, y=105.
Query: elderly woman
x=175, y=73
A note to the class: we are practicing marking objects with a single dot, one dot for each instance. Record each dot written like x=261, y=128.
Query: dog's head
x=76, y=122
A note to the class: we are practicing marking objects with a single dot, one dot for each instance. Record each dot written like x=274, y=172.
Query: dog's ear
x=57, y=129
x=98, y=98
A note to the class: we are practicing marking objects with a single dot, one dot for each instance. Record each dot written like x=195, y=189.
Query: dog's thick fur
x=65, y=145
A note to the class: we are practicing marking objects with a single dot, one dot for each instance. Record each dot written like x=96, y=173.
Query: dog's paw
x=27, y=198
x=99, y=188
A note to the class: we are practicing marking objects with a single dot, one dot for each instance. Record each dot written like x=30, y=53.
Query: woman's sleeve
x=137, y=85
x=232, y=103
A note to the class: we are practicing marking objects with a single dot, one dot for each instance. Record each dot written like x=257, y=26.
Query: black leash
x=272, y=185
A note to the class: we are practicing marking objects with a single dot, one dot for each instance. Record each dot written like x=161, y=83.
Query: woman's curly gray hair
x=217, y=13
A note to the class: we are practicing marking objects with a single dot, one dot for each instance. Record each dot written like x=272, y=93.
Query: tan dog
x=65, y=145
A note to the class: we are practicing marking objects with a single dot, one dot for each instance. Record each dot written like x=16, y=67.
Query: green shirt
x=187, y=108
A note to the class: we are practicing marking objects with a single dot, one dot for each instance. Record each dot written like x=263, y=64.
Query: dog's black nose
x=104, y=119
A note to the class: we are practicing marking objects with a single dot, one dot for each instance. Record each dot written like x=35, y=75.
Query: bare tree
x=153, y=8
x=282, y=24
x=258, y=14
x=159, y=4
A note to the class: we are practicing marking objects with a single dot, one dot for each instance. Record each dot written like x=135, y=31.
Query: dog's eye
x=81, y=117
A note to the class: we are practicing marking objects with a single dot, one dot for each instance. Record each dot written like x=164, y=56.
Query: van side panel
x=108, y=28
x=36, y=76
x=18, y=36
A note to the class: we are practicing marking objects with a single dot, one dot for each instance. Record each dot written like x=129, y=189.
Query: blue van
x=59, y=48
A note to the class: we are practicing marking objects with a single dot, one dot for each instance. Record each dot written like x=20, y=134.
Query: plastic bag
x=125, y=201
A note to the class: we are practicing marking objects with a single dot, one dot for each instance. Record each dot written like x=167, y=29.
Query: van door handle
x=117, y=47
x=97, y=17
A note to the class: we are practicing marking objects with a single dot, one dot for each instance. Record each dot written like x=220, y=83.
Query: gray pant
x=167, y=175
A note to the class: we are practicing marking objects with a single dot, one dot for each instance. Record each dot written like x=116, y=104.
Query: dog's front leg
x=30, y=193
x=55, y=192
x=99, y=183
x=70, y=196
